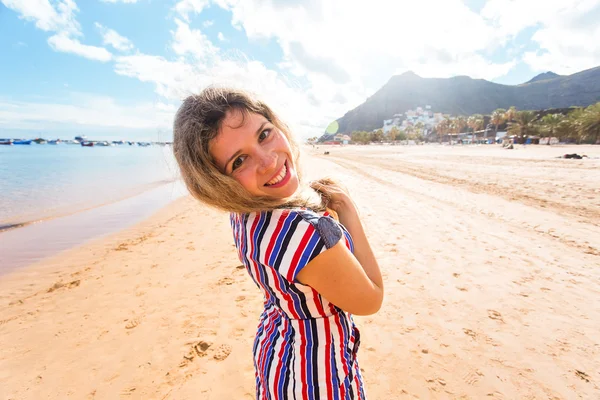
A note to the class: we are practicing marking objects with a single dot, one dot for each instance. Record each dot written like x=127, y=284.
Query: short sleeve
x=294, y=238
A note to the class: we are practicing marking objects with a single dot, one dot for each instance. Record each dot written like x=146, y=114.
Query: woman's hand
x=337, y=198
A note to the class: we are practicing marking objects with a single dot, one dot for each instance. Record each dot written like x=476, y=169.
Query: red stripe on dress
x=263, y=349
x=280, y=360
x=328, y=372
x=342, y=355
x=275, y=235
x=356, y=381
x=272, y=242
x=318, y=303
x=303, y=369
x=301, y=247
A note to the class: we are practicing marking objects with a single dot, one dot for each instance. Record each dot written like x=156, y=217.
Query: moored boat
x=87, y=144
x=6, y=142
x=21, y=141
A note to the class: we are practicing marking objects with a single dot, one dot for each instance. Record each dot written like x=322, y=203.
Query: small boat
x=81, y=138
x=6, y=142
x=21, y=141
x=40, y=141
x=103, y=144
x=87, y=144
x=57, y=141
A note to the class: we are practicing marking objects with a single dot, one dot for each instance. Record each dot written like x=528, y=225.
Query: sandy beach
x=491, y=261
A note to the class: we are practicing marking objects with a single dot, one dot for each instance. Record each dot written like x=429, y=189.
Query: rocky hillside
x=462, y=95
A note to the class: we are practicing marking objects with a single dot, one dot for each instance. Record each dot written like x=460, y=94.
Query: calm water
x=38, y=182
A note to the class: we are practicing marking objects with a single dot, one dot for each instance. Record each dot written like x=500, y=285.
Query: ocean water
x=41, y=182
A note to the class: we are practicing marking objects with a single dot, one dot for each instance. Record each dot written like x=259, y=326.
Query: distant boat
x=40, y=141
x=6, y=142
x=57, y=141
x=87, y=144
x=104, y=144
x=81, y=138
x=22, y=141
x=71, y=141
x=144, y=144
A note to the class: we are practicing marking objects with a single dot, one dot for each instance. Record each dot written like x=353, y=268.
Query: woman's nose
x=267, y=162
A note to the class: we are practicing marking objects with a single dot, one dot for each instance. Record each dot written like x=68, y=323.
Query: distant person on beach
x=303, y=244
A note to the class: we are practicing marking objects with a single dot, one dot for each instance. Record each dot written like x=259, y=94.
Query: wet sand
x=491, y=260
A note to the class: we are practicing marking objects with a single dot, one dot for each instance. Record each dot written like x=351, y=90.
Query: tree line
x=578, y=125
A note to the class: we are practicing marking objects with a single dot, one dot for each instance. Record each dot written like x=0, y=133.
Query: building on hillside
x=339, y=139
x=395, y=121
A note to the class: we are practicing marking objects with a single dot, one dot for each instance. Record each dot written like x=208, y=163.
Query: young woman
x=303, y=245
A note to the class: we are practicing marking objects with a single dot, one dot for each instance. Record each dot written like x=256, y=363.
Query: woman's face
x=256, y=154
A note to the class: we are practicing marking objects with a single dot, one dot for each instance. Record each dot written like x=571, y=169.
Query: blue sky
x=119, y=68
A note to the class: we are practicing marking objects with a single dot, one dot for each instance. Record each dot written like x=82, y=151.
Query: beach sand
x=491, y=261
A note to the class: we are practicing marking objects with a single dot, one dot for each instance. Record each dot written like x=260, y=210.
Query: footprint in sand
x=472, y=377
x=222, y=352
x=493, y=314
x=470, y=333
x=226, y=281
x=132, y=323
x=59, y=285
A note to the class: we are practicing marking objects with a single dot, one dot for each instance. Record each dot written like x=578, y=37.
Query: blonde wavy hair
x=198, y=121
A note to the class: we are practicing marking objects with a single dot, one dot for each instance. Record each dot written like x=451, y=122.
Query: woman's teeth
x=279, y=177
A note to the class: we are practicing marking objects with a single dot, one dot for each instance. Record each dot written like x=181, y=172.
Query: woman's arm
x=362, y=249
x=352, y=282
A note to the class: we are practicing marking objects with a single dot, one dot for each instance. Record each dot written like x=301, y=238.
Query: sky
x=120, y=68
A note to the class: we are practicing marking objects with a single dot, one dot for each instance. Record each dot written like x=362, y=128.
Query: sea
x=53, y=197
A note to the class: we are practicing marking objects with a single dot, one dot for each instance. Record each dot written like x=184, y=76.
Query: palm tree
x=498, y=118
x=443, y=127
x=590, y=124
x=523, y=124
x=550, y=125
x=510, y=114
x=393, y=133
x=573, y=124
x=475, y=122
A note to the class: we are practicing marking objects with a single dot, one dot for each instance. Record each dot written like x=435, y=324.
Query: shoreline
x=10, y=223
x=486, y=293
x=32, y=242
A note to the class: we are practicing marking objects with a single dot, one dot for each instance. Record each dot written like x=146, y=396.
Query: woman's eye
x=237, y=162
x=264, y=134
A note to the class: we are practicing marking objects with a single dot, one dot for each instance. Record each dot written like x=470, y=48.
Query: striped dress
x=305, y=347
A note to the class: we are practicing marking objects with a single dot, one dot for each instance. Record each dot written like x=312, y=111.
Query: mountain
x=544, y=77
x=462, y=95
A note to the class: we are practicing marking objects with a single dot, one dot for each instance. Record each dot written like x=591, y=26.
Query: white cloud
x=208, y=23
x=86, y=110
x=46, y=17
x=201, y=64
x=188, y=41
x=221, y=37
x=66, y=44
x=120, y=1
x=566, y=31
x=112, y=38
x=59, y=19
x=186, y=7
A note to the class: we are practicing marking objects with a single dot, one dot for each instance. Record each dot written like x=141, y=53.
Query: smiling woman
x=314, y=270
